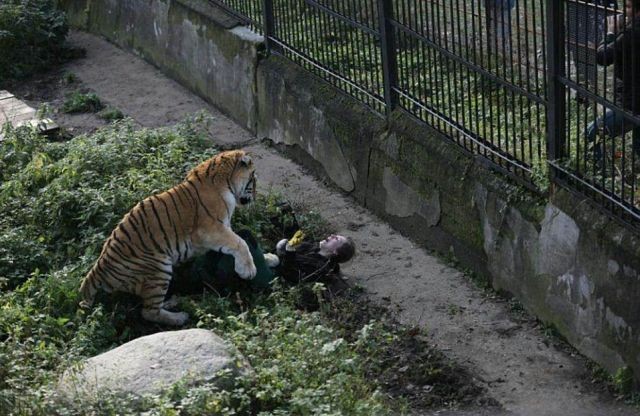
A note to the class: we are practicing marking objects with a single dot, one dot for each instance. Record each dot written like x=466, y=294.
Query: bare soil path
x=527, y=372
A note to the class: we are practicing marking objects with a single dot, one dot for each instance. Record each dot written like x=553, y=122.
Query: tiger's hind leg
x=153, y=293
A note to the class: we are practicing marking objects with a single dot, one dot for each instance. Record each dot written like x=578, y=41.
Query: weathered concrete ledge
x=565, y=261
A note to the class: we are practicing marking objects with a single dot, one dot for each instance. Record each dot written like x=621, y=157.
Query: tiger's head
x=233, y=170
x=244, y=181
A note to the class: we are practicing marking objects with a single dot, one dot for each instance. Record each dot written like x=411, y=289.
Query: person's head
x=338, y=248
x=632, y=8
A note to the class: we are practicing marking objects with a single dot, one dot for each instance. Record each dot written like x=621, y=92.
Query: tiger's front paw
x=246, y=270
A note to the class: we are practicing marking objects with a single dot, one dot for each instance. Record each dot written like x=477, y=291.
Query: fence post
x=556, y=90
x=269, y=24
x=388, y=46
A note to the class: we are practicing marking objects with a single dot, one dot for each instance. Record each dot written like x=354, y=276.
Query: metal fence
x=596, y=138
x=520, y=83
x=249, y=12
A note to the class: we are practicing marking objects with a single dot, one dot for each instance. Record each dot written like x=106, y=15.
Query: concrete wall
x=563, y=259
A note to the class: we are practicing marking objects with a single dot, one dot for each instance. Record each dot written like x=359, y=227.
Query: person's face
x=331, y=244
x=629, y=8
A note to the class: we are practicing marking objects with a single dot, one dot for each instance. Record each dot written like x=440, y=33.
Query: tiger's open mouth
x=249, y=191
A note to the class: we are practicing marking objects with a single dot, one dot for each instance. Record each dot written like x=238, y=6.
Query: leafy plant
x=111, y=114
x=78, y=102
x=623, y=380
x=32, y=36
x=43, y=110
x=70, y=78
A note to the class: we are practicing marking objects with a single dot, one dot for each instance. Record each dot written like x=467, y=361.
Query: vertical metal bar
x=541, y=88
x=556, y=105
x=269, y=24
x=388, y=48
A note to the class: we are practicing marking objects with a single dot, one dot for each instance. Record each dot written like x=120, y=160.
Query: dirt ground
x=509, y=354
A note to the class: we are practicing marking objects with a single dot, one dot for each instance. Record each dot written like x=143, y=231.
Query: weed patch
x=79, y=102
x=111, y=114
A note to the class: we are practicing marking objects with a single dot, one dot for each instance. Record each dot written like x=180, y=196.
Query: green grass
x=312, y=354
x=78, y=102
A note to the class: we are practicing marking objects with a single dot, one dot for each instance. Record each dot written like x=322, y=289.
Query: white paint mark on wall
x=567, y=280
x=156, y=29
x=247, y=34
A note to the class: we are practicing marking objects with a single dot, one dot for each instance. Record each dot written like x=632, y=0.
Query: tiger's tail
x=88, y=289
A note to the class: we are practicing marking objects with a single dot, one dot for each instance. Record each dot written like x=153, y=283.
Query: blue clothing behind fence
x=498, y=15
x=501, y=4
x=619, y=51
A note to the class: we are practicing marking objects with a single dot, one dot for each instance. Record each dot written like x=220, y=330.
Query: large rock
x=150, y=364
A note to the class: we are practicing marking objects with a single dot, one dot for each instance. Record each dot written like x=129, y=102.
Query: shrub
x=70, y=78
x=111, y=114
x=78, y=102
x=32, y=35
x=60, y=200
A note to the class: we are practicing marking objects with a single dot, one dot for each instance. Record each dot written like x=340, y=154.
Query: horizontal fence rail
x=249, y=12
x=474, y=73
x=542, y=89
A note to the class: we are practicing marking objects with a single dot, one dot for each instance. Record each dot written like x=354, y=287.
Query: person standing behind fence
x=498, y=17
x=586, y=28
x=621, y=48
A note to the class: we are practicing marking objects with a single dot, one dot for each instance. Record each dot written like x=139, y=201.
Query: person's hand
x=615, y=23
x=296, y=239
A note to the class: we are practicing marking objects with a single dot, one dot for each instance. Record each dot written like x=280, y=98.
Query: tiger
x=170, y=227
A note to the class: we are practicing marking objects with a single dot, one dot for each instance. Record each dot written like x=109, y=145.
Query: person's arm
x=281, y=247
x=612, y=44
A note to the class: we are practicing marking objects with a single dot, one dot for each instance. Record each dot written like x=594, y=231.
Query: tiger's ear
x=245, y=160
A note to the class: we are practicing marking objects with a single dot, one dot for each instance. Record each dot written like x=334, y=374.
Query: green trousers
x=215, y=269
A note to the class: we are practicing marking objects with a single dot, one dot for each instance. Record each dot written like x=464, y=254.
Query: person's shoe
x=271, y=259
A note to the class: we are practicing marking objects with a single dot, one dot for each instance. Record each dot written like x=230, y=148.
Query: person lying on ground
x=295, y=261
x=301, y=261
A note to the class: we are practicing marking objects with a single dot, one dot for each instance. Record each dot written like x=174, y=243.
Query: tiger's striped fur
x=173, y=226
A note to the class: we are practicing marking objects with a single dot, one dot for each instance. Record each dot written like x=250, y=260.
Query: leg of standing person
x=612, y=125
x=591, y=135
